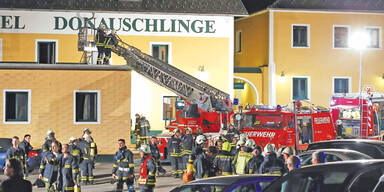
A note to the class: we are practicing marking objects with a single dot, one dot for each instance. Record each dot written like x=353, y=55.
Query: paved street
x=103, y=178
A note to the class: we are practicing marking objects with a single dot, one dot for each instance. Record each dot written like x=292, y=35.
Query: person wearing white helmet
x=123, y=168
x=187, y=141
x=243, y=156
x=200, y=145
x=48, y=141
x=174, y=153
x=100, y=40
x=271, y=164
x=93, y=151
x=147, y=178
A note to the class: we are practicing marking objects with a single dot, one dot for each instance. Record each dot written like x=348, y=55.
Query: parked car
x=343, y=176
x=34, y=156
x=373, y=148
x=236, y=183
x=333, y=155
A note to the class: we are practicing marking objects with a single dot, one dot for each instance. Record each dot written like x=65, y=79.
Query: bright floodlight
x=359, y=40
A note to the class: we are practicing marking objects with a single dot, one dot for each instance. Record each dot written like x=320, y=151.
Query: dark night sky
x=256, y=5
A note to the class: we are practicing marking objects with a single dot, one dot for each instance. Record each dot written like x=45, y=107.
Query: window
x=169, y=107
x=87, y=106
x=367, y=181
x=239, y=41
x=341, y=85
x=374, y=34
x=340, y=36
x=161, y=52
x=300, y=36
x=17, y=106
x=245, y=188
x=300, y=88
x=46, y=51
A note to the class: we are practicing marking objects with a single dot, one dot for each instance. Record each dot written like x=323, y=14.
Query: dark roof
x=227, y=7
x=354, y=5
x=227, y=180
x=253, y=6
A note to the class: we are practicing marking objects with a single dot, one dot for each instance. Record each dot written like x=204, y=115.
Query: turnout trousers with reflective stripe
x=100, y=50
x=177, y=165
x=86, y=169
x=122, y=177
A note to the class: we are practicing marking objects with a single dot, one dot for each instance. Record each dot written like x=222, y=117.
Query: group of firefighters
x=63, y=166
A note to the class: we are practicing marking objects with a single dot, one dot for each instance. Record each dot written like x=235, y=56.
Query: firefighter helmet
x=175, y=131
x=188, y=129
x=240, y=143
x=113, y=32
x=200, y=139
x=269, y=148
x=145, y=148
x=250, y=143
x=339, y=122
x=237, y=136
x=226, y=146
x=243, y=137
x=288, y=150
x=49, y=132
x=87, y=138
x=87, y=129
x=71, y=139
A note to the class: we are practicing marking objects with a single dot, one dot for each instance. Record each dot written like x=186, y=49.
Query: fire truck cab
x=277, y=126
x=358, y=115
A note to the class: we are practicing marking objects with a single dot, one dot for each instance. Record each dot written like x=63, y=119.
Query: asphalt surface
x=102, y=175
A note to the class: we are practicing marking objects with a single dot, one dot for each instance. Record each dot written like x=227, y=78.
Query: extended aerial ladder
x=191, y=89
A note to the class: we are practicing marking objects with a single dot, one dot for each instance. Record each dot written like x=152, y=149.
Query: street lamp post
x=360, y=41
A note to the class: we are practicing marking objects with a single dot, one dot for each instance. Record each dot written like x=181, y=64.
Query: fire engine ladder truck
x=193, y=90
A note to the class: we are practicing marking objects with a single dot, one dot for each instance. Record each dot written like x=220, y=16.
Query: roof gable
x=226, y=7
x=354, y=5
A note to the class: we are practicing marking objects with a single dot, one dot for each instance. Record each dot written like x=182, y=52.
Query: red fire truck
x=277, y=126
x=359, y=115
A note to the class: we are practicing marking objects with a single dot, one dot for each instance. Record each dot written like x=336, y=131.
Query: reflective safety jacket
x=144, y=127
x=188, y=142
x=147, y=171
x=18, y=154
x=123, y=161
x=241, y=160
x=68, y=171
x=26, y=148
x=174, y=147
x=254, y=164
x=85, y=150
x=110, y=41
x=50, y=168
x=272, y=165
x=47, y=146
x=223, y=163
x=100, y=37
x=75, y=151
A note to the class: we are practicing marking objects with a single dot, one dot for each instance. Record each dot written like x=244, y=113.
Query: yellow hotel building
x=303, y=50
x=47, y=84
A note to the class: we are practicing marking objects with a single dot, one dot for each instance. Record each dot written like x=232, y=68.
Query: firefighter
x=123, y=167
x=49, y=167
x=48, y=141
x=26, y=147
x=137, y=130
x=15, y=152
x=144, y=130
x=271, y=164
x=174, y=153
x=156, y=154
x=100, y=40
x=86, y=164
x=76, y=153
x=147, y=178
x=339, y=129
x=243, y=156
x=68, y=171
x=254, y=163
x=287, y=152
x=232, y=131
x=197, y=150
x=92, y=152
x=235, y=139
x=223, y=162
x=204, y=163
x=187, y=141
x=110, y=42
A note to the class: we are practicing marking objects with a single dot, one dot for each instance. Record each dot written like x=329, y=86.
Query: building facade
x=48, y=84
x=305, y=51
